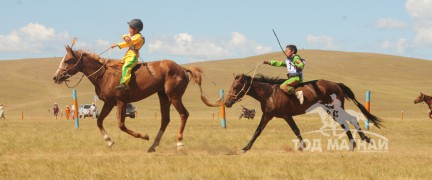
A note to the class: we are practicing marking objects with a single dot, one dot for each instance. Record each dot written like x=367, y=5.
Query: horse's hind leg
x=184, y=114
x=296, y=131
x=121, y=107
x=344, y=126
x=106, y=109
x=165, y=105
x=353, y=121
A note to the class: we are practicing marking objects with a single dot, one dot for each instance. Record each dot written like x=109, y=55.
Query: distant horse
x=427, y=99
x=166, y=78
x=275, y=103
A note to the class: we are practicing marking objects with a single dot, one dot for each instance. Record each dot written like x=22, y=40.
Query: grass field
x=40, y=147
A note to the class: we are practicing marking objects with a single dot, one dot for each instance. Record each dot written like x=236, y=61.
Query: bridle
x=238, y=93
x=76, y=64
x=244, y=87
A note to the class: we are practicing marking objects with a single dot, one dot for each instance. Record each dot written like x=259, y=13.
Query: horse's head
x=69, y=66
x=238, y=89
x=419, y=99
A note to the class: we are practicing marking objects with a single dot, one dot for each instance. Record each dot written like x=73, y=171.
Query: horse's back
x=320, y=90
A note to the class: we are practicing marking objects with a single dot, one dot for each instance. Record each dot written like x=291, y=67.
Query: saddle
x=117, y=65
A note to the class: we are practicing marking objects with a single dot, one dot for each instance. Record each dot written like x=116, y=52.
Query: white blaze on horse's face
x=61, y=66
x=59, y=74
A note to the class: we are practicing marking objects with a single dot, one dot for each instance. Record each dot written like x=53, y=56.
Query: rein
x=244, y=85
x=103, y=65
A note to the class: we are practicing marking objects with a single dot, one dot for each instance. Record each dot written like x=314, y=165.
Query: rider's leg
x=287, y=86
x=129, y=63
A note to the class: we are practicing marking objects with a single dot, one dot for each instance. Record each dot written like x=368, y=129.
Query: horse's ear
x=234, y=75
x=70, y=51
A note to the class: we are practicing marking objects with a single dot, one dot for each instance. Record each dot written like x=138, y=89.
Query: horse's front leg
x=430, y=113
x=121, y=107
x=106, y=109
x=296, y=131
x=264, y=120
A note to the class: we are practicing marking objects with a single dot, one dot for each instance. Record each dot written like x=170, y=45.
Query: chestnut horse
x=166, y=78
x=275, y=103
x=426, y=99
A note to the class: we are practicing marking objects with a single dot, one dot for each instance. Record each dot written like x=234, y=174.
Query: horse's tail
x=350, y=95
x=196, y=75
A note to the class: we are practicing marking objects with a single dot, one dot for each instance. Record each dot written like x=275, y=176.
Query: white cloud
x=184, y=44
x=419, y=10
x=33, y=37
x=238, y=39
x=102, y=43
x=400, y=45
x=389, y=23
x=322, y=42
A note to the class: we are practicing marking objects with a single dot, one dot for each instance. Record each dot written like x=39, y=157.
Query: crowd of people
x=70, y=111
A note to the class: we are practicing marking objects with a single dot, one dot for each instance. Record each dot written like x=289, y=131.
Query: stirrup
x=300, y=97
x=121, y=86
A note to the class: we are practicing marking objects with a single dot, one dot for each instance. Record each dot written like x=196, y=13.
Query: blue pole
x=223, y=120
x=368, y=94
x=74, y=96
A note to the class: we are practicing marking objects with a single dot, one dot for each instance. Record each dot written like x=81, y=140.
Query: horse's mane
x=92, y=55
x=97, y=58
x=265, y=79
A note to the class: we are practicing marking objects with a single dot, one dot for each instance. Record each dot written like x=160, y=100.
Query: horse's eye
x=68, y=62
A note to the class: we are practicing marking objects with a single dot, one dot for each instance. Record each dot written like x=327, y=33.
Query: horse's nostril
x=54, y=78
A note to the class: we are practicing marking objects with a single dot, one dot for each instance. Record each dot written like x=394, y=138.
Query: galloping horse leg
x=184, y=114
x=264, y=120
x=106, y=109
x=353, y=121
x=296, y=131
x=349, y=134
x=430, y=114
x=121, y=107
x=165, y=111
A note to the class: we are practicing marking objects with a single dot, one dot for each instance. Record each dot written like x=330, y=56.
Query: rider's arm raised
x=277, y=63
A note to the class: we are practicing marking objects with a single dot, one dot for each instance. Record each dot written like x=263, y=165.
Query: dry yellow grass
x=40, y=147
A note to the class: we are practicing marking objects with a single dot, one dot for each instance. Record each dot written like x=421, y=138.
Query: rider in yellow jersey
x=134, y=41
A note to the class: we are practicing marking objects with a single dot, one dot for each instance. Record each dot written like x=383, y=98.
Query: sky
x=198, y=30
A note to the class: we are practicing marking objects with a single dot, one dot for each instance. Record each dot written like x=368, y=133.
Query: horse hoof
x=368, y=140
x=146, y=137
x=242, y=151
x=110, y=143
x=181, y=150
x=151, y=149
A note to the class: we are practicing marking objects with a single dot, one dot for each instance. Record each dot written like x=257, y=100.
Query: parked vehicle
x=84, y=111
x=130, y=110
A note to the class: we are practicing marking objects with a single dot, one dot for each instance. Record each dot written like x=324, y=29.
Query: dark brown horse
x=165, y=77
x=426, y=99
x=275, y=103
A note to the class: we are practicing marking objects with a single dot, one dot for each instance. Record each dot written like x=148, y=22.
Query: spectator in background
x=73, y=111
x=2, y=113
x=93, y=111
x=56, y=110
x=67, y=112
